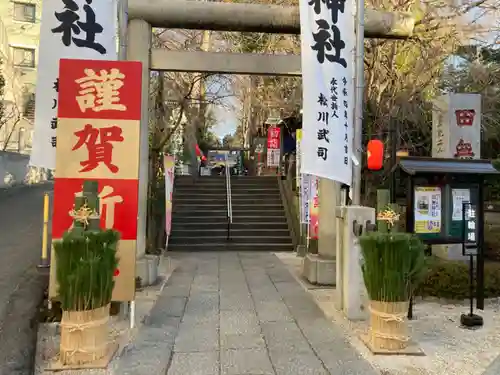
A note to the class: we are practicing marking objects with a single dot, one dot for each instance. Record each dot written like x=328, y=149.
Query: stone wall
x=14, y=170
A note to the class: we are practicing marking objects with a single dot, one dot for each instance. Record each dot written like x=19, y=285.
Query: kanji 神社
x=100, y=92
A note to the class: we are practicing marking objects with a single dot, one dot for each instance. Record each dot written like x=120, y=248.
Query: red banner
x=273, y=138
x=98, y=139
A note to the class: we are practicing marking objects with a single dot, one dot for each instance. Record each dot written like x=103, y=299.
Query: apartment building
x=19, y=39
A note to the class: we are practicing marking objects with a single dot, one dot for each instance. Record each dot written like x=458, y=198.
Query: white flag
x=328, y=41
x=73, y=29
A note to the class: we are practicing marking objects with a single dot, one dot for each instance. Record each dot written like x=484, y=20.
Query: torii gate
x=218, y=16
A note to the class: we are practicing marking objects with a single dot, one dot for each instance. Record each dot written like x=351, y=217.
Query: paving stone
x=158, y=319
x=292, y=363
x=205, y=363
x=303, y=307
x=246, y=361
x=265, y=294
x=257, y=312
x=290, y=288
x=242, y=341
x=176, y=291
x=239, y=322
x=202, y=302
x=321, y=331
x=284, y=336
x=236, y=303
x=201, y=338
x=165, y=335
x=344, y=360
x=133, y=360
x=169, y=306
x=278, y=275
x=272, y=311
x=193, y=318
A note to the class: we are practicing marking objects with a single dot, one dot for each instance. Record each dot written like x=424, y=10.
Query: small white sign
x=273, y=157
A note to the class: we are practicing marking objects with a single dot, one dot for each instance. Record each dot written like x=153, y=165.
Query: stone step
x=196, y=238
x=222, y=206
x=215, y=231
x=231, y=247
x=223, y=219
x=216, y=225
x=222, y=212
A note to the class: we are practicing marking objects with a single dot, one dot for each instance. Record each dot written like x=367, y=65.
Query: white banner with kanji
x=328, y=42
x=75, y=29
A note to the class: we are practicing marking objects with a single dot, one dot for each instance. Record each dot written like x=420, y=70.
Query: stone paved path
x=239, y=314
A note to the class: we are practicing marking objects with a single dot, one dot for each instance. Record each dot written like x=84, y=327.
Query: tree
x=479, y=72
x=2, y=87
x=403, y=77
x=263, y=97
x=12, y=104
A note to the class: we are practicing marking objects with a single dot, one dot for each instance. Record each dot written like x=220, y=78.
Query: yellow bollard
x=45, y=258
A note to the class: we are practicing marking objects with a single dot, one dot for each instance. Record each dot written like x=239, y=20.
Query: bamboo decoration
x=86, y=262
x=392, y=264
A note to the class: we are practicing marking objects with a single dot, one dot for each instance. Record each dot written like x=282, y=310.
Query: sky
x=226, y=121
x=226, y=112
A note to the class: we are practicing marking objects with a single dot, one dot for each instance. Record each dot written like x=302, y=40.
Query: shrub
x=492, y=242
x=450, y=279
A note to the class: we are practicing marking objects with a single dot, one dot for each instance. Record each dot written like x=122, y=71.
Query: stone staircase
x=199, y=221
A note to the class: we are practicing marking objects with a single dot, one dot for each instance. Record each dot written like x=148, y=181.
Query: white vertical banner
x=74, y=29
x=328, y=41
x=305, y=198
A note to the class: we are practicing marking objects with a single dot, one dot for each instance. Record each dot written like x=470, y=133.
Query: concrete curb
x=493, y=368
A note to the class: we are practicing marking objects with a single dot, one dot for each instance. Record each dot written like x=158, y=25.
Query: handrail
x=229, y=199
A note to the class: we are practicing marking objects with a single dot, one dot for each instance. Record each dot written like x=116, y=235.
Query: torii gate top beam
x=243, y=17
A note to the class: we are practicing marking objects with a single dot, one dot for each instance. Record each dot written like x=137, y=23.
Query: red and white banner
x=169, y=166
x=98, y=125
x=273, y=147
x=314, y=209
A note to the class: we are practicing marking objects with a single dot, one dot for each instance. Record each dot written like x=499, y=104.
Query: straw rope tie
x=85, y=350
x=73, y=327
x=386, y=317
x=83, y=214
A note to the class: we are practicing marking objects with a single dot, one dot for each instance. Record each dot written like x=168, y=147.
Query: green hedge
x=450, y=279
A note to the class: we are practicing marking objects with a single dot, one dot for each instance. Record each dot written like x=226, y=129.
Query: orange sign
x=98, y=139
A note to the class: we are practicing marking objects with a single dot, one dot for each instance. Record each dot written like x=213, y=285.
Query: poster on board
x=459, y=197
x=427, y=210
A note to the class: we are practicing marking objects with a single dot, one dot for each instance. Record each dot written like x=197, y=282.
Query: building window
x=24, y=12
x=24, y=57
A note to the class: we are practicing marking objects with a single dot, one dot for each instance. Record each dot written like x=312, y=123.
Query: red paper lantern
x=375, y=155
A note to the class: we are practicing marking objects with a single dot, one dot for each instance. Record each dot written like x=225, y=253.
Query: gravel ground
x=449, y=349
x=21, y=286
